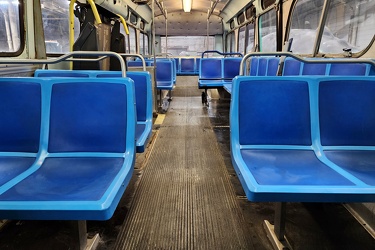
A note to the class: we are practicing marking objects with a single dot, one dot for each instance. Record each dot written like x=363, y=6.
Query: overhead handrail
x=304, y=60
x=71, y=19
x=221, y=53
x=66, y=57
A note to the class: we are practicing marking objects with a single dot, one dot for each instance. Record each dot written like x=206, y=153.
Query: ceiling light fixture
x=186, y=5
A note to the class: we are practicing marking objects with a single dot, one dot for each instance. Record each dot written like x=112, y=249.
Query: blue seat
x=292, y=67
x=347, y=127
x=86, y=153
x=197, y=65
x=254, y=62
x=231, y=67
x=20, y=114
x=272, y=66
x=143, y=93
x=215, y=72
x=187, y=66
x=143, y=97
x=164, y=75
x=210, y=73
x=348, y=69
x=297, y=139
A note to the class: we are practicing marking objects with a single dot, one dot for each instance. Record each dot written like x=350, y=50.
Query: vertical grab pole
x=71, y=28
x=208, y=29
x=71, y=24
x=166, y=32
x=154, y=55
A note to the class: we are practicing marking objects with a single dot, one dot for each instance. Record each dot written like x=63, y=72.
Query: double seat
x=304, y=138
x=67, y=147
x=187, y=65
x=216, y=72
x=269, y=66
x=143, y=96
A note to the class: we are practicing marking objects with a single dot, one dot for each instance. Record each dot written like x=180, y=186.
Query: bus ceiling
x=188, y=17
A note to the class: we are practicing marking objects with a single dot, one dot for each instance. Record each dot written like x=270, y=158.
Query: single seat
x=164, y=75
x=347, y=127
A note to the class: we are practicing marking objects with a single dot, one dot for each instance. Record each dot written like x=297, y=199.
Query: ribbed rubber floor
x=185, y=199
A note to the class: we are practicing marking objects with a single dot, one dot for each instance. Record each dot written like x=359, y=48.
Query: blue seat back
x=74, y=112
x=292, y=67
x=272, y=66
x=178, y=65
x=164, y=70
x=142, y=86
x=254, y=66
x=272, y=116
x=346, y=112
x=187, y=65
x=197, y=64
x=210, y=68
x=20, y=113
x=231, y=67
x=314, y=69
x=262, y=66
x=347, y=69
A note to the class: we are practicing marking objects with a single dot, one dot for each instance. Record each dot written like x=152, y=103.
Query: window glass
x=267, y=31
x=55, y=16
x=187, y=45
x=10, y=22
x=267, y=3
x=143, y=49
x=232, y=43
x=350, y=24
x=250, y=37
x=132, y=40
x=305, y=21
x=241, y=39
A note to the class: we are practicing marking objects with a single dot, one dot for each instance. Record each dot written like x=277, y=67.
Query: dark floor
x=308, y=226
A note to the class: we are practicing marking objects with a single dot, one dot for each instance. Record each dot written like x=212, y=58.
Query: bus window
x=304, y=24
x=230, y=42
x=55, y=15
x=349, y=25
x=132, y=40
x=250, y=37
x=267, y=31
x=10, y=23
x=143, y=49
x=187, y=45
x=241, y=39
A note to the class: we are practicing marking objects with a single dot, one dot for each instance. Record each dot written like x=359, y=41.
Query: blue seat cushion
x=11, y=167
x=67, y=179
x=290, y=167
x=359, y=163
